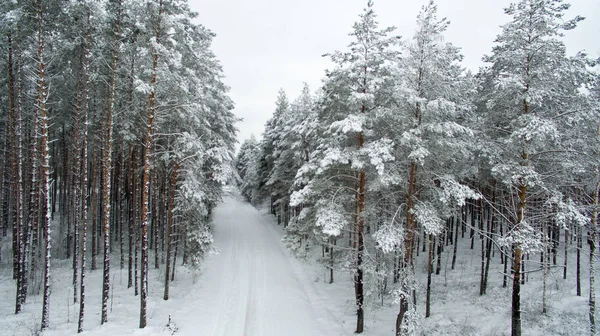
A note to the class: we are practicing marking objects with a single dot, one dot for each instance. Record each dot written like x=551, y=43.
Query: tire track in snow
x=252, y=288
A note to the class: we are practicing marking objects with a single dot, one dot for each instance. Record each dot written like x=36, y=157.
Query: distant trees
x=403, y=150
x=74, y=170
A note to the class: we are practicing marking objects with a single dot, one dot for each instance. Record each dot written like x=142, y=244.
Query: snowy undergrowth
x=457, y=308
x=124, y=307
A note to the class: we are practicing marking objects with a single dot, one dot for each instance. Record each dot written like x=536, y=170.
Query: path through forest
x=251, y=287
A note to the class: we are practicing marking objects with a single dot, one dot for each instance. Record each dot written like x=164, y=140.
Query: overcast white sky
x=265, y=45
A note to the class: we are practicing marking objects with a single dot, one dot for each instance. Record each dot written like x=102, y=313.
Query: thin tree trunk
x=592, y=241
x=131, y=216
x=170, y=210
x=516, y=295
x=96, y=204
x=488, y=253
x=331, y=260
x=121, y=201
x=545, y=257
x=455, y=247
x=146, y=171
x=84, y=171
x=106, y=168
x=45, y=180
x=176, y=231
x=440, y=245
x=578, y=263
x=155, y=223
x=566, y=253
x=429, y=271
x=19, y=230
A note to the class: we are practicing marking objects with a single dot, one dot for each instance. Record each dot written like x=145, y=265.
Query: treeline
x=116, y=135
x=403, y=150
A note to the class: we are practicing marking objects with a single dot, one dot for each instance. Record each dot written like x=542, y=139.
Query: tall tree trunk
x=19, y=230
x=566, y=253
x=592, y=241
x=578, y=263
x=455, y=246
x=42, y=96
x=545, y=256
x=84, y=169
x=429, y=271
x=106, y=167
x=488, y=253
x=331, y=260
x=131, y=216
x=516, y=295
x=170, y=210
x=94, y=177
x=155, y=222
x=122, y=205
x=76, y=176
x=146, y=171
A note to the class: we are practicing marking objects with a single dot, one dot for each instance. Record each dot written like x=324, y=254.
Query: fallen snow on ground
x=252, y=286
x=248, y=287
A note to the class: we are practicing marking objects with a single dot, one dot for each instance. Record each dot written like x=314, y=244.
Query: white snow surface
x=251, y=286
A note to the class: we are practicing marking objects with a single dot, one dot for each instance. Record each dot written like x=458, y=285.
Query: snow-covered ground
x=251, y=285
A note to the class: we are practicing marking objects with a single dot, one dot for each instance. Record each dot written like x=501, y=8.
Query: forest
x=118, y=135
x=402, y=150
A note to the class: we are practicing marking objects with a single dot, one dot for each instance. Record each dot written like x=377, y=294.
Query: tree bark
x=170, y=210
x=429, y=271
x=516, y=295
x=146, y=171
x=42, y=96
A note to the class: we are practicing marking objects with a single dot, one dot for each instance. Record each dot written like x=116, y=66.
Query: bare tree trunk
x=566, y=253
x=440, y=245
x=121, y=201
x=131, y=216
x=592, y=241
x=429, y=271
x=19, y=230
x=578, y=262
x=84, y=171
x=545, y=257
x=106, y=167
x=94, y=177
x=488, y=253
x=455, y=247
x=155, y=222
x=177, y=235
x=331, y=260
x=45, y=181
x=516, y=295
x=146, y=171
x=170, y=210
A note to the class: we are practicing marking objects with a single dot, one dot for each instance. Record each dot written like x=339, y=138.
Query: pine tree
x=107, y=158
x=351, y=148
x=433, y=94
x=42, y=112
x=529, y=68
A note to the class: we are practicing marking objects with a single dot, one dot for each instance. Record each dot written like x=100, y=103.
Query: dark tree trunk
x=41, y=107
x=578, y=263
x=429, y=271
x=106, y=168
x=455, y=247
x=170, y=210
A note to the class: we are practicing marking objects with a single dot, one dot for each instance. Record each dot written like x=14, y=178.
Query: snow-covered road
x=252, y=288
